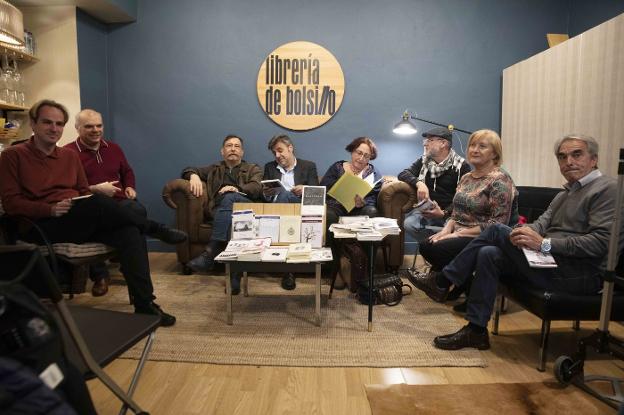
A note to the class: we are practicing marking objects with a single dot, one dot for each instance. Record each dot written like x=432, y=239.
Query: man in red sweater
x=108, y=173
x=39, y=181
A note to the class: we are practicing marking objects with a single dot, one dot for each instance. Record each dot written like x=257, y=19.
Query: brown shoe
x=427, y=284
x=100, y=287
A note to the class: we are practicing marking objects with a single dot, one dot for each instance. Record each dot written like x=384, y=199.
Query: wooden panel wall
x=574, y=87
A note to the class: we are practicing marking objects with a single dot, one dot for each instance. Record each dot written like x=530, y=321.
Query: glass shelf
x=20, y=55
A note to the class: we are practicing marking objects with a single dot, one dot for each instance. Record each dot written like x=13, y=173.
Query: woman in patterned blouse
x=484, y=196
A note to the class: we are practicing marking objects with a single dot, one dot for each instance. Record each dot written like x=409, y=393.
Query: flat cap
x=441, y=132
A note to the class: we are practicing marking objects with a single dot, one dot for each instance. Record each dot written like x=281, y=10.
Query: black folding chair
x=92, y=337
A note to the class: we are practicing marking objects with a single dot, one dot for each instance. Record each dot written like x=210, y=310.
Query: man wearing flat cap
x=435, y=177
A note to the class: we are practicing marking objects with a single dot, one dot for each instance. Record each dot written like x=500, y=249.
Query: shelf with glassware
x=12, y=96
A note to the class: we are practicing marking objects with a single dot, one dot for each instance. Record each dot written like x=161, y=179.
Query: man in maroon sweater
x=108, y=174
x=39, y=181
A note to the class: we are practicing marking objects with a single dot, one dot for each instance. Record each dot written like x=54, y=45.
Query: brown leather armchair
x=394, y=200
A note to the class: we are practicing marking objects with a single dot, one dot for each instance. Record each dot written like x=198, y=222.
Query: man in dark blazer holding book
x=574, y=229
x=293, y=174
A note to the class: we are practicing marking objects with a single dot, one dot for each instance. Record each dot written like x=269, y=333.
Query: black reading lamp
x=405, y=126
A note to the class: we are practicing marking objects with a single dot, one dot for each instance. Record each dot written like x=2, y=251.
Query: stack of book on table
x=300, y=252
x=248, y=248
x=364, y=228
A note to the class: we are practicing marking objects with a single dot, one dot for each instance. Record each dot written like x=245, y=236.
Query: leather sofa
x=191, y=213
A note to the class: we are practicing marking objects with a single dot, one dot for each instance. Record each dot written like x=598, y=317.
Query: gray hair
x=280, y=138
x=592, y=144
x=84, y=112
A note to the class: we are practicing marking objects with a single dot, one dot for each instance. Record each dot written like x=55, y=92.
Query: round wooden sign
x=300, y=85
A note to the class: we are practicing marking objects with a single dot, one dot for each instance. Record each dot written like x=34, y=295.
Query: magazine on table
x=538, y=259
x=313, y=200
x=243, y=224
x=273, y=254
x=290, y=229
x=321, y=255
x=312, y=230
x=268, y=227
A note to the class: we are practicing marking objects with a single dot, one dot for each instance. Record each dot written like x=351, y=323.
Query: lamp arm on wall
x=449, y=126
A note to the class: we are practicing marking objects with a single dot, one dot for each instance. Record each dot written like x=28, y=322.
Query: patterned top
x=483, y=201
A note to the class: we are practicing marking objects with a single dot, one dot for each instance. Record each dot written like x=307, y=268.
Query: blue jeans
x=286, y=196
x=222, y=214
x=491, y=256
x=414, y=226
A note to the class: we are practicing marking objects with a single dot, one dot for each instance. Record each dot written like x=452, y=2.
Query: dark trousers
x=492, y=256
x=100, y=270
x=439, y=254
x=101, y=219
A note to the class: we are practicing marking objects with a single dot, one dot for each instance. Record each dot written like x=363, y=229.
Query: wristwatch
x=545, y=247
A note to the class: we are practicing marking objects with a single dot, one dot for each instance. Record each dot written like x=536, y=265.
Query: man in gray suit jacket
x=293, y=173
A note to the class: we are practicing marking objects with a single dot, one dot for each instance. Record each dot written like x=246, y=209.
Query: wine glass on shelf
x=5, y=90
x=10, y=82
x=18, y=82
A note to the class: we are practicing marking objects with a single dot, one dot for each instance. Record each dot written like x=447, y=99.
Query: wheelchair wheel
x=564, y=369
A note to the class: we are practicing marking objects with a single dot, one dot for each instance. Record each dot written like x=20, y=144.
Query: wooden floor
x=185, y=388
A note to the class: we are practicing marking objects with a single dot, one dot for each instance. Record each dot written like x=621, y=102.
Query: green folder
x=345, y=189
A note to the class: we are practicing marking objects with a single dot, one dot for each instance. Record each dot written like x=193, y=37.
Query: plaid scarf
x=435, y=170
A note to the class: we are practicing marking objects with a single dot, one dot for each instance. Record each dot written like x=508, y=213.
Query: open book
x=347, y=187
x=539, y=259
x=272, y=184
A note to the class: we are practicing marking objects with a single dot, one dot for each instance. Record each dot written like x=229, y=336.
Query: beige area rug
x=274, y=327
x=485, y=399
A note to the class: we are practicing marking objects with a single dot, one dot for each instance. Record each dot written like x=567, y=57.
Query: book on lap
x=537, y=259
x=347, y=187
x=273, y=184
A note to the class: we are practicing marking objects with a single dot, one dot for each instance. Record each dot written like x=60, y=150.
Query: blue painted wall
x=92, y=63
x=183, y=76
x=586, y=14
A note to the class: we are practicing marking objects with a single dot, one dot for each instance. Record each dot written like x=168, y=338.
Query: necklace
x=353, y=170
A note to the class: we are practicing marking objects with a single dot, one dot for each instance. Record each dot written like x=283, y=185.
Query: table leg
x=228, y=293
x=245, y=281
x=371, y=272
x=318, y=294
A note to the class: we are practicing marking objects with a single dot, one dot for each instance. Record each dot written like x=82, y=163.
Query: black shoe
x=461, y=307
x=288, y=282
x=465, y=337
x=168, y=235
x=202, y=263
x=455, y=293
x=426, y=282
x=166, y=320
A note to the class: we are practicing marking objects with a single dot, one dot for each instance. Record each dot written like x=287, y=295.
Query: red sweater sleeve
x=14, y=201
